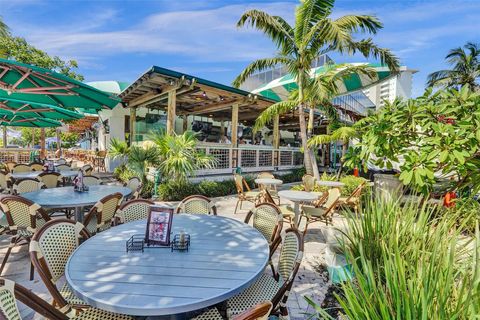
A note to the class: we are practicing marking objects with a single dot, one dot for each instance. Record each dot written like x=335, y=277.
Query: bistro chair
x=36, y=166
x=63, y=167
x=276, y=287
x=91, y=181
x=287, y=211
x=19, y=168
x=27, y=185
x=87, y=169
x=9, y=165
x=99, y=160
x=134, y=210
x=353, y=200
x=23, y=217
x=248, y=195
x=268, y=220
x=258, y=312
x=272, y=189
x=49, y=252
x=51, y=179
x=197, y=204
x=5, y=181
x=322, y=213
x=308, y=182
x=61, y=161
x=102, y=214
x=134, y=184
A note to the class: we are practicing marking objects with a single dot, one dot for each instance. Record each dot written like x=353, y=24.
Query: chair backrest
x=104, y=211
x=10, y=292
x=50, y=179
x=333, y=196
x=63, y=167
x=10, y=165
x=102, y=153
x=5, y=180
x=260, y=311
x=134, y=184
x=134, y=210
x=91, y=181
x=21, y=168
x=50, y=249
x=197, y=204
x=27, y=185
x=61, y=161
x=308, y=182
x=267, y=219
x=267, y=197
x=240, y=183
x=36, y=166
x=87, y=169
x=265, y=175
x=357, y=192
x=22, y=213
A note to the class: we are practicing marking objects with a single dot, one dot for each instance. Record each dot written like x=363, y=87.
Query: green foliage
x=410, y=264
x=351, y=183
x=69, y=139
x=438, y=132
x=468, y=211
x=119, y=150
x=139, y=159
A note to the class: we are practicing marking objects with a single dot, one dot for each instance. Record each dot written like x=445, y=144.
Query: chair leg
x=306, y=226
x=12, y=244
x=31, y=271
x=241, y=203
x=236, y=207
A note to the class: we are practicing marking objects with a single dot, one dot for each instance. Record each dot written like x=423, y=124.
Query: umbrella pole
x=4, y=136
x=59, y=143
x=43, y=155
x=33, y=137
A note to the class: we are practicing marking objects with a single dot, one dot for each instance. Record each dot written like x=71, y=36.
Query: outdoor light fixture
x=204, y=94
x=222, y=98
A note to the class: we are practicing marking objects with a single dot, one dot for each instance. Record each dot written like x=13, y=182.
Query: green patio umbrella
x=26, y=109
x=26, y=82
x=20, y=121
x=280, y=88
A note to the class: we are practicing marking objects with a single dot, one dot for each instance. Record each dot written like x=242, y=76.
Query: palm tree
x=465, y=70
x=140, y=158
x=119, y=150
x=314, y=33
x=4, y=30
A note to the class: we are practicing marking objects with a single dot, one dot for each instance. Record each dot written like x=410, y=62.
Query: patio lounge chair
x=323, y=213
x=23, y=217
x=258, y=312
x=49, y=252
x=274, y=288
x=27, y=185
x=102, y=214
x=248, y=195
x=197, y=204
x=134, y=210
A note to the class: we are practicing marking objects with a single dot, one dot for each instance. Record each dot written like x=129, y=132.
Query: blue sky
x=118, y=40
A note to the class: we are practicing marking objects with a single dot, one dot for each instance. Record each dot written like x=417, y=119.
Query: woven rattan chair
x=61, y=161
x=63, y=167
x=10, y=165
x=197, y=204
x=134, y=210
x=10, y=292
x=23, y=217
x=323, y=213
x=274, y=288
x=267, y=219
x=5, y=181
x=102, y=214
x=92, y=181
x=51, y=179
x=308, y=182
x=87, y=169
x=287, y=211
x=36, y=166
x=27, y=185
x=134, y=184
x=272, y=189
x=353, y=200
x=258, y=312
x=19, y=168
x=244, y=192
x=50, y=249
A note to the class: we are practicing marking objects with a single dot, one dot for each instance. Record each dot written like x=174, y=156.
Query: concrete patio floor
x=309, y=281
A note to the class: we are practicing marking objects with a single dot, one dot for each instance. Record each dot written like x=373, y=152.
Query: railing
x=250, y=158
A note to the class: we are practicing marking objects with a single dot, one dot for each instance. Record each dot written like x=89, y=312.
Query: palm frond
x=259, y=65
x=4, y=30
x=344, y=134
x=359, y=23
x=308, y=13
x=442, y=78
x=319, y=139
x=275, y=109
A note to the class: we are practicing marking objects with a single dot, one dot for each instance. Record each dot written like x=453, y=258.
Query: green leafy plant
x=139, y=159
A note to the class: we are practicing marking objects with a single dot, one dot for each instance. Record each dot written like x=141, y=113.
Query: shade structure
x=18, y=121
x=26, y=82
x=31, y=110
x=280, y=88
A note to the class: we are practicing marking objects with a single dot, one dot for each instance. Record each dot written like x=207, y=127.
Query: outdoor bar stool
x=10, y=292
x=133, y=210
x=99, y=160
x=244, y=192
x=276, y=287
x=258, y=312
x=197, y=204
x=102, y=214
x=23, y=217
x=27, y=185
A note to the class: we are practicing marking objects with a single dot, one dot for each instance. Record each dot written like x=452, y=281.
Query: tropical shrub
x=351, y=183
x=409, y=264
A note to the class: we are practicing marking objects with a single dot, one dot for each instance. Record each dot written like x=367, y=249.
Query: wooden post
x=171, y=110
x=133, y=118
x=59, y=142
x=234, y=135
x=185, y=123
x=222, y=128
x=33, y=137
x=4, y=136
x=276, y=139
x=43, y=154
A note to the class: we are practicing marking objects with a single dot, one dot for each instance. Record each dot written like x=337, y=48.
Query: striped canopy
x=280, y=88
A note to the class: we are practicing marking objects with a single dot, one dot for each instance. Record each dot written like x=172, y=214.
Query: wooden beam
x=43, y=154
x=133, y=118
x=234, y=135
x=171, y=110
x=222, y=128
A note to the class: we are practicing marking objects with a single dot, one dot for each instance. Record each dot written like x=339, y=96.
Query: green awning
x=30, y=110
x=26, y=82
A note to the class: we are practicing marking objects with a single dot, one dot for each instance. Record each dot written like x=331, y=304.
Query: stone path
x=309, y=282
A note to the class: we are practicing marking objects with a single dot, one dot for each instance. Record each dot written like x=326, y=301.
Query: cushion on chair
x=251, y=194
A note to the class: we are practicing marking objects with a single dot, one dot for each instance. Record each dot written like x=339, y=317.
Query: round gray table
x=225, y=257
x=296, y=197
x=34, y=174
x=268, y=181
x=331, y=184
x=65, y=197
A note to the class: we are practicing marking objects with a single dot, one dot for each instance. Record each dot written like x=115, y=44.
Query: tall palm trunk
x=303, y=135
x=313, y=157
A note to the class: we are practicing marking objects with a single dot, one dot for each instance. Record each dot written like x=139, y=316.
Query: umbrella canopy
x=19, y=121
x=26, y=109
x=30, y=83
x=280, y=88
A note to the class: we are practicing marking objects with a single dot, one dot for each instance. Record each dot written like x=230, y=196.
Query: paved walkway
x=310, y=281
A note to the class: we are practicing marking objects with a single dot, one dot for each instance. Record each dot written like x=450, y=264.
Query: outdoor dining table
x=331, y=184
x=34, y=174
x=297, y=197
x=268, y=182
x=66, y=197
x=224, y=258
